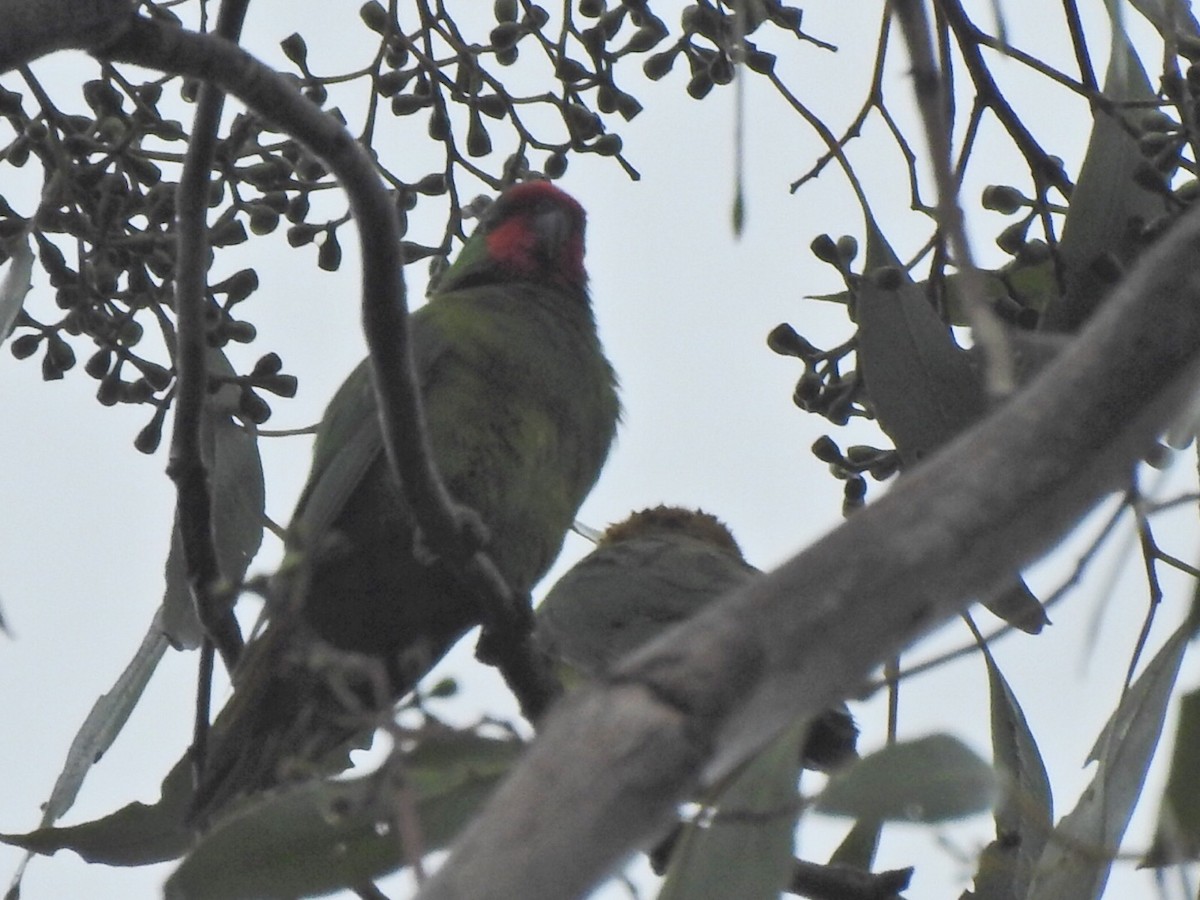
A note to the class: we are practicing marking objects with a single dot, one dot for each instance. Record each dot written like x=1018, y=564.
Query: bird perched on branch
x=648, y=573
x=521, y=407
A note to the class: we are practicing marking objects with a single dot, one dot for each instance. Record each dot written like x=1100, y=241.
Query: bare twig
x=193, y=507
x=1045, y=170
x=186, y=465
x=932, y=101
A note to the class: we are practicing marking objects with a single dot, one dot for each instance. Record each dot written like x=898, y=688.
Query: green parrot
x=522, y=408
x=647, y=573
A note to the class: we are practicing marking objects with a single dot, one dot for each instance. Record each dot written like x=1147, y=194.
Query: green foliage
x=1081, y=849
x=325, y=835
x=931, y=779
x=745, y=846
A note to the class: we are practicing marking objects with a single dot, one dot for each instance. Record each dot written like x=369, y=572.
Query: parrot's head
x=532, y=232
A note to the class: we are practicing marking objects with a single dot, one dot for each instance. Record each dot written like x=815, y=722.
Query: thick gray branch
x=609, y=767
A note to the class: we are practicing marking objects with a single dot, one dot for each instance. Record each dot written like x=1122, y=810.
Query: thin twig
x=932, y=101
x=1044, y=169
x=186, y=464
x=1079, y=44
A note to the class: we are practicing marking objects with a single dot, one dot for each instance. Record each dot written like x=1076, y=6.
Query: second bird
x=648, y=573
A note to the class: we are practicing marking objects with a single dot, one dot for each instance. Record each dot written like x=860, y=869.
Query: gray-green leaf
x=932, y=779
x=1080, y=852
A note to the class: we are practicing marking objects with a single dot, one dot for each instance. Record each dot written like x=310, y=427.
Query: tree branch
x=193, y=506
x=35, y=28
x=609, y=767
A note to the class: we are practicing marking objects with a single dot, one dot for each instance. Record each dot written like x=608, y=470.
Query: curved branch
x=608, y=769
x=156, y=45
x=193, y=505
x=186, y=467
x=35, y=28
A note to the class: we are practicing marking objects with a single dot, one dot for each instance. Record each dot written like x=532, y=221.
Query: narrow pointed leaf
x=105, y=721
x=1025, y=813
x=326, y=835
x=1077, y=857
x=238, y=501
x=101, y=727
x=923, y=387
x=859, y=846
x=15, y=284
x=1106, y=196
x=1177, y=835
x=138, y=834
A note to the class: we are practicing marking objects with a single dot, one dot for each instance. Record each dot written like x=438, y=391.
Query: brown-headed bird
x=648, y=573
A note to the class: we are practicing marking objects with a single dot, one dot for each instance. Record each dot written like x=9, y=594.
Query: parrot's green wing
x=350, y=440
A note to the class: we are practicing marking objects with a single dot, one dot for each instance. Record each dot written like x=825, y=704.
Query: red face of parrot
x=535, y=231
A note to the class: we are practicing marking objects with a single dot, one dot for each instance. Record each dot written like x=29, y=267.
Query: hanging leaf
x=923, y=386
x=136, y=835
x=1107, y=198
x=15, y=284
x=230, y=453
x=746, y=849
x=1177, y=835
x=101, y=727
x=859, y=846
x=932, y=779
x=1080, y=852
x=326, y=835
x=1025, y=814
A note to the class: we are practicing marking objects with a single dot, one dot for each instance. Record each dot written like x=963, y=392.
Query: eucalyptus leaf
x=15, y=284
x=101, y=727
x=1107, y=199
x=931, y=779
x=1078, y=855
x=230, y=453
x=138, y=834
x=325, y=835
x=1177, y=835
x=746, y=848
x=923, y=387
x=1025, y=814
x=859, y=846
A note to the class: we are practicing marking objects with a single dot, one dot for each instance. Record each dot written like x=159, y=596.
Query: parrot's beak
x=555, y=227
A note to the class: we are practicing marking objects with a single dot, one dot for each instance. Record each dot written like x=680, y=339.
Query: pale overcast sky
x=684, y=308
